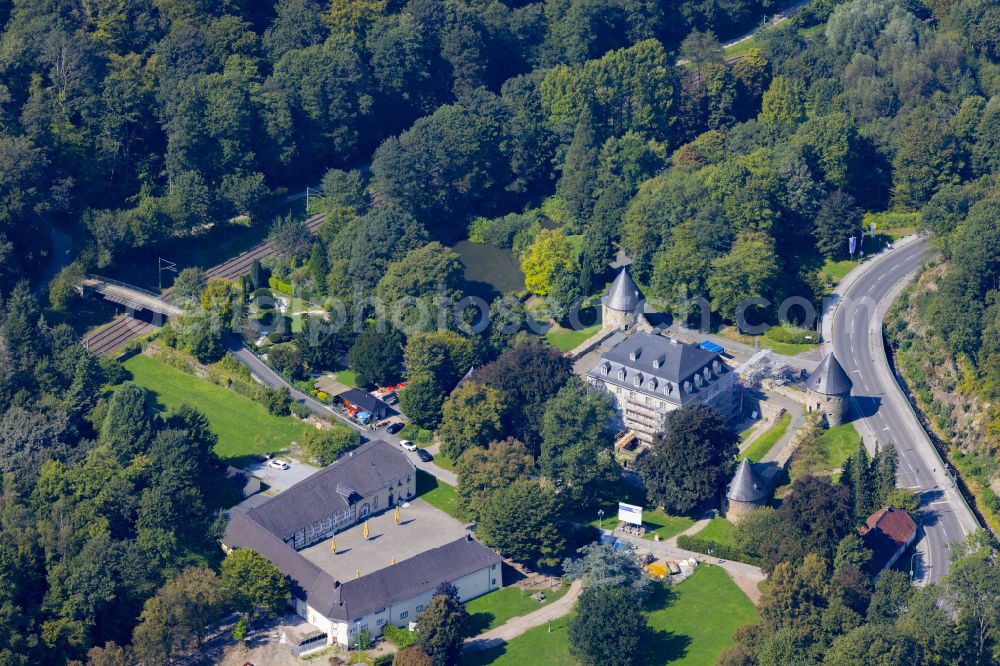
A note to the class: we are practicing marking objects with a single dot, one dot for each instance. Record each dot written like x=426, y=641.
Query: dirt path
x=516, y=626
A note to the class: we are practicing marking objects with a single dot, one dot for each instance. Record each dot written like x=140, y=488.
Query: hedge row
x=723, y=550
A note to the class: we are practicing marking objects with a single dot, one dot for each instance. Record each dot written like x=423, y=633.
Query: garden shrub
x=723, y=550
x=400, y=637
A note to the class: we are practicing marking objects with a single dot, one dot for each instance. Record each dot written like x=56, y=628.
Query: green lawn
x=443, y=461
x=537, y=647
x=493, y=609
x=839, y=443
x=244, y=427
x=838, y=269
x=348, y=377
x=690, y=624
x=760, y=446
x=437, y=493
x=783, y=348
x=565, y=339
x=658, y=522
x=696, y=619
x=719, y=530
x=740, y=49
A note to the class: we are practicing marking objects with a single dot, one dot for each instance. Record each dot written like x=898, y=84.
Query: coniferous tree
x=884, y=473
x=861, y=484
x=580, y=170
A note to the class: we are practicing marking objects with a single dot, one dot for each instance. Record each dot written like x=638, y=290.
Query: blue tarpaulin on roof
x=364, y=416
x=708, y=345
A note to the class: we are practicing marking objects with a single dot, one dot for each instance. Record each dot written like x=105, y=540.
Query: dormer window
x=637, y=381
x=706, y=372
x=717, y=367
x=668, y=388
x=621, y=375
x=689, y=387
x=699, y=380
x=656, y=363
x=605, y=369
x=634, y=354
x=651, y=385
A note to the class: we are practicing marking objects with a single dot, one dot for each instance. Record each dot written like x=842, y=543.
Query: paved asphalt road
x=881, y=410
x=268, y=376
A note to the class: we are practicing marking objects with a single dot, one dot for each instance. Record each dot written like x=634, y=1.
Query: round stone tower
x=622, y=304
x=746, y=492
x=828, y=391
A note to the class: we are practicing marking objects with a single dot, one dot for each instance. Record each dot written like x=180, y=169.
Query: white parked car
x=277, y=464
x=408, y=445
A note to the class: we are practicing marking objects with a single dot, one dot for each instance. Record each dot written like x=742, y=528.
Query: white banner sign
x=630, y=513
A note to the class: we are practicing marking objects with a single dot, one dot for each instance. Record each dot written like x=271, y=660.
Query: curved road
x=853, y=331
x=267, y=376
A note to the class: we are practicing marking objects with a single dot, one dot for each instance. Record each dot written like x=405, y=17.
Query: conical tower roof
x=623, y=295
x=746, y=486
x=829, y=378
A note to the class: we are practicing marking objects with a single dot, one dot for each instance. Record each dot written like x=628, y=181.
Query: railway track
x=126, y=328
x=120, y=331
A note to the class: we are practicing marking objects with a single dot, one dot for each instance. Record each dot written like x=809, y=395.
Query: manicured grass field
x=536, y=647
x=348, y=377
x=839, y=444
x=719, y=530
x=697, y=624
x=783, y=348
x=243, y=426
x=493, y=609
x=690, y=624
x=760, y=446
x=655, y=522
x=437, y=493
x=658, y=522
x=838, y=269
x=565, y=339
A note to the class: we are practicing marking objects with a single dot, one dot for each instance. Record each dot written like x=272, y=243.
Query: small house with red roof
x=888, y=533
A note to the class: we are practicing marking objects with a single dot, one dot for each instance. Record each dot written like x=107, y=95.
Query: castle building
x=747, y=491
x=623, y=308
x=828, y=391
x=649, y=376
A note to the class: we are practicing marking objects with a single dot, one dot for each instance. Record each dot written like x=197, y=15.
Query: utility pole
x=164, y=265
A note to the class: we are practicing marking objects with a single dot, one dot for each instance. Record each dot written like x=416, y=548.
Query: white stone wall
x=401, y=614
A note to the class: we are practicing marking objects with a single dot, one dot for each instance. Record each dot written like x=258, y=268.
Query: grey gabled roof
x=374, y=465
x=356, y=598
x=309, y=582
x=747, y=486
x=623, y=294
x=829, y=378
x=365, y=401
x=416, y=575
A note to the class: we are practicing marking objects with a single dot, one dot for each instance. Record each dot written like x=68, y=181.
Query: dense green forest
x=515, y=124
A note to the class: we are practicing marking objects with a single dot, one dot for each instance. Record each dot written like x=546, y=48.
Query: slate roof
x=365, y=401
x=829, y=378
x=623, y=295
x=370, y=467
x=356, y=598
x=747, y=486
x=662, y=364
x=886, y=532
x=415, y=575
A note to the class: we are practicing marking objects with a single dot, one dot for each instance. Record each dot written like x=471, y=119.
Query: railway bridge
x=147, y=311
